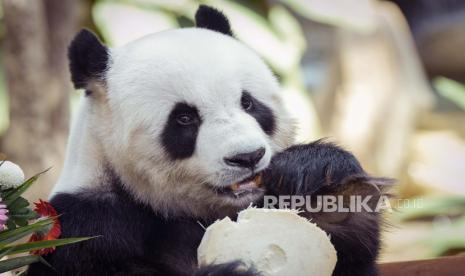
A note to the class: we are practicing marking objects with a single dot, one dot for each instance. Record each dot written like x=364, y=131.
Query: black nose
x=246, y=160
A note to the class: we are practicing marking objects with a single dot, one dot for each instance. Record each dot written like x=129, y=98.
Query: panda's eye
x=246, y=103
x=185, y=119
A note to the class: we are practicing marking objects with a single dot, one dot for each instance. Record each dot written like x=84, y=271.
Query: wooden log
x=450, y=266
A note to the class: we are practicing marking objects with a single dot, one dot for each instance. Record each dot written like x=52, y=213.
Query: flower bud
x=11, y=175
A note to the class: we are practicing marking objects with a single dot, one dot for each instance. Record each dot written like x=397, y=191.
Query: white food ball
x=276, y=242
x=11, y=175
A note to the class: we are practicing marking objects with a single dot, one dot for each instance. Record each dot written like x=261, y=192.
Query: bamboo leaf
x=11, y=235
x=18, y=204
x=43, y=261
x=22, y=273
x=30, y=246
x=27, y=214
x=6, y=252
x=17, y=192
x=18, y=262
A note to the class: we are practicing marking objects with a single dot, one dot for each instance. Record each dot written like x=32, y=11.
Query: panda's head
x=186, y=118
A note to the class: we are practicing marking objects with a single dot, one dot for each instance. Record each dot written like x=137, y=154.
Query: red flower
x=46, y=210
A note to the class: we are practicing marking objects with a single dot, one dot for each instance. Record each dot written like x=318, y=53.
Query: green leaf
x=14, y=234
x=6, y=252
x=18, y=262
x=4, y=192
x=18, y=204
x=10, y=224
x=43, y=261
x=433, y=206
x=22, y=273
x=26, y=214
x=451, y=90
x=30, y=246
x=445, y=237
x=17, y=192
x=21, y=222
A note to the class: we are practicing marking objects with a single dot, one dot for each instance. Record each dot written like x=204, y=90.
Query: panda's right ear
x=88, y=59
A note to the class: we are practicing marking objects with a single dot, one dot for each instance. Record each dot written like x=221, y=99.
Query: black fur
x=306, y=168
x=179, y=139
x=134, y=240
x=212, y=19
x=229, y=269
x=260, y=112
x=88, y=58
x=321, y=168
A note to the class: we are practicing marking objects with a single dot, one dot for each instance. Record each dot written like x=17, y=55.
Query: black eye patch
x=260, y=112
x=179, y=135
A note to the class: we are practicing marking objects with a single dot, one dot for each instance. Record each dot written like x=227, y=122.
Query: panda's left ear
x=212, y=19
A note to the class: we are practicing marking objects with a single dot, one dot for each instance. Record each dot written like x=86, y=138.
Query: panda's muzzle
x=252, y=182
x=247, y=160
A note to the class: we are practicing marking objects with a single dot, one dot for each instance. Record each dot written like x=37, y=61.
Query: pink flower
x=3, y=215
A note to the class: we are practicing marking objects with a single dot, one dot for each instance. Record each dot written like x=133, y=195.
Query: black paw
x=307, y=168
x=323, y=170
x=356, y=268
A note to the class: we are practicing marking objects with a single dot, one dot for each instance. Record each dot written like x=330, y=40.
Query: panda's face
x=200, y=115
x=188, y=119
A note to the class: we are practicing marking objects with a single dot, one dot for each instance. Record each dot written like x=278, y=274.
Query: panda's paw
x=236, y=268
x=307, y=169
x=319, y=171
x=356, y=268
x=325, y=182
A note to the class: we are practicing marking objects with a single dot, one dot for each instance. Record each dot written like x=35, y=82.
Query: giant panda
x=167, y=124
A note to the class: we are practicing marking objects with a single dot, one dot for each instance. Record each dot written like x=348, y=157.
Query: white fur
x=121, y=125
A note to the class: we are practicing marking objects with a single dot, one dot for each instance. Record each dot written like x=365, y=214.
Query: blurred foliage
x=451, y=90
x=447, y=238
x=268, y=27
x=277, y=31
x=3, y=99
x=341, y=14
x=433, y=206
x=3, y=96
x=445, y=217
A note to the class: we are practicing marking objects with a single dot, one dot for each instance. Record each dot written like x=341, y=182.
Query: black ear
x=212, y=19
x=88, y=58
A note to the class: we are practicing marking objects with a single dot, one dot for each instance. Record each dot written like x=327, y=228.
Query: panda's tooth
x=234, y=186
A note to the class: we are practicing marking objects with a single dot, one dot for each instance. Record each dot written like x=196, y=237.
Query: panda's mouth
x=247, y=186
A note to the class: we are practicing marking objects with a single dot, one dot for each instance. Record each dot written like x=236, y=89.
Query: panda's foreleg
x=236, y=268
x=355, y=233
x=320, y=170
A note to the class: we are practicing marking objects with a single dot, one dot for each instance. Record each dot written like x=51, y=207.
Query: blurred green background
x=385, y=79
